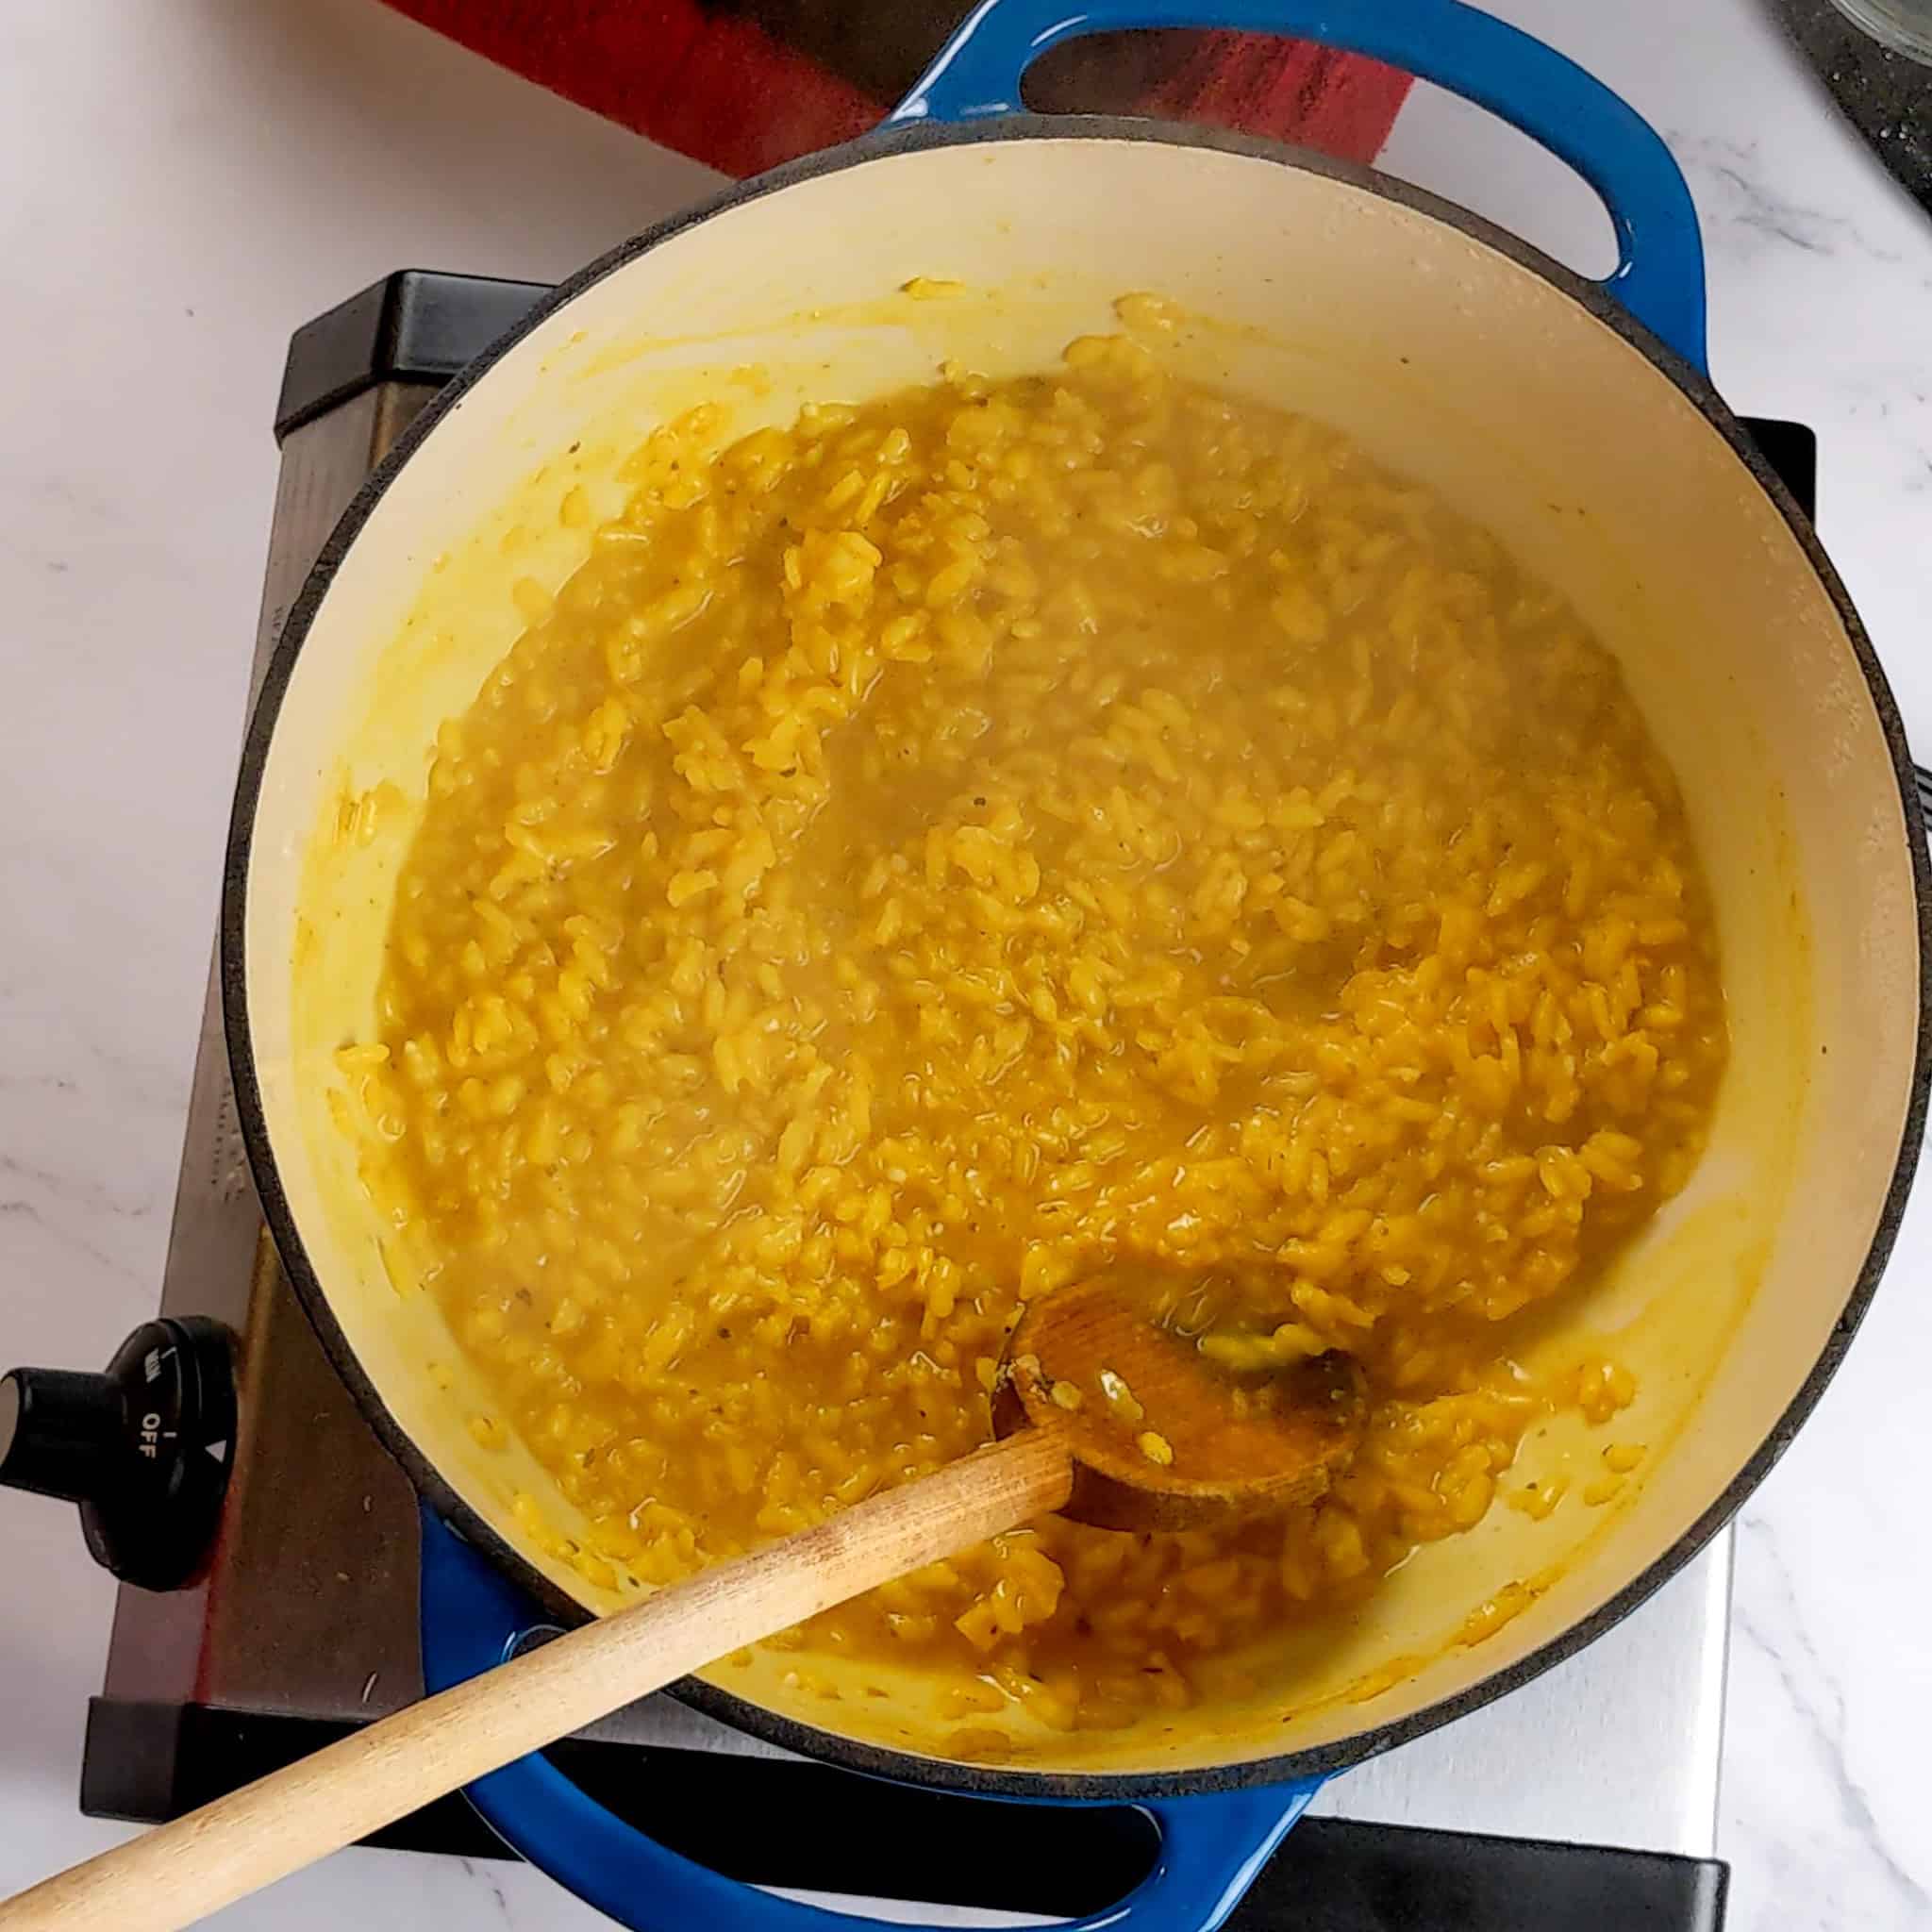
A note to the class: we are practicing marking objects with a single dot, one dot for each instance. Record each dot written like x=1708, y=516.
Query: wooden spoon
x=1090, y=1460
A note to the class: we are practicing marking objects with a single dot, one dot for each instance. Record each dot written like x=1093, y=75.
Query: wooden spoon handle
x=182, y=1871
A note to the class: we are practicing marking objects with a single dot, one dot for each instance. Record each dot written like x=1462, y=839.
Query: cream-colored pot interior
x=1447, y=360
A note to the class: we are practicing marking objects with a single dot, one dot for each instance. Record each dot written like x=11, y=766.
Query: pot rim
x=913, y=1768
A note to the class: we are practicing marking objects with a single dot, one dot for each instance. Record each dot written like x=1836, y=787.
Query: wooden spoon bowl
x=1159, y=1438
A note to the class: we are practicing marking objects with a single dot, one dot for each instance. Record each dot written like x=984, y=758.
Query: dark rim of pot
x=905, y=1766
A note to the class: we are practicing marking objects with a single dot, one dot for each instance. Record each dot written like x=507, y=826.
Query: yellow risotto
x=1005, y=830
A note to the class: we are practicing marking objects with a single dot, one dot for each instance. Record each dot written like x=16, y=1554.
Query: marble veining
x=1744, y=208
x=1769, y=1621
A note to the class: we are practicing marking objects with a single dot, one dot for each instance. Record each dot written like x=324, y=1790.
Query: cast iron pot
x=1574, y=418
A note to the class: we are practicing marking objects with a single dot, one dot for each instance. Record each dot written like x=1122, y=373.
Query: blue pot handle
x=1660, y=273
x=473, y=1618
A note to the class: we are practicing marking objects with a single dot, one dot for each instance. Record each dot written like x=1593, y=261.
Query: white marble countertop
x=189, y=180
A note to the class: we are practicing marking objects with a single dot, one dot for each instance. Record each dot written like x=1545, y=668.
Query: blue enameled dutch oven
x=1573, y=417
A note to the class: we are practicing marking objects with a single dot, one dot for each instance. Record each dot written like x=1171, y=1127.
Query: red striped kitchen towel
x=746, y=84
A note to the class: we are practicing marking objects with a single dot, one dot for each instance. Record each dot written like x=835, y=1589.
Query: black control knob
x=144, y=1448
